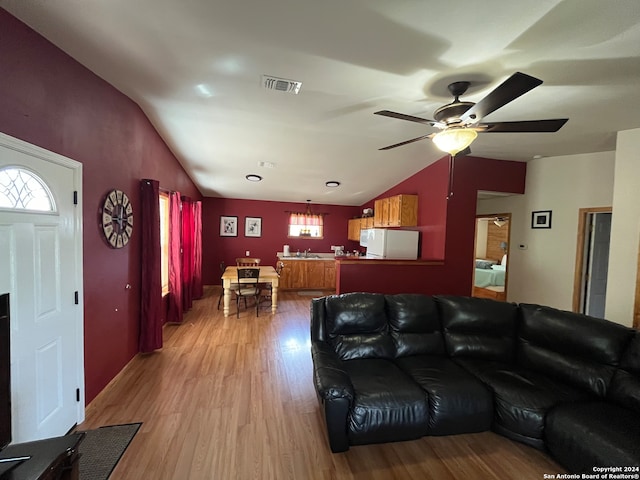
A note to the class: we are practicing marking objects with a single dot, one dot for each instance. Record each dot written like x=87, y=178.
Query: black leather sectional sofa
x=398, y=367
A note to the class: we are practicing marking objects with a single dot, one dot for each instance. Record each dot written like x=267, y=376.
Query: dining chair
x=268, y=287
x=248, y=278
x=233, y=287
x=247, y=261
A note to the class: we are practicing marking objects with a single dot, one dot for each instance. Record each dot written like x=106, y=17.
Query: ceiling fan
x=459, y=122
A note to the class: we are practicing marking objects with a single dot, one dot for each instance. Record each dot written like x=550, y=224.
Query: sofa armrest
x=331, y=380
x=335, y=391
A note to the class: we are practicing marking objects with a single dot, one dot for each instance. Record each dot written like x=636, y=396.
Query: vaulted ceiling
x=196, y=66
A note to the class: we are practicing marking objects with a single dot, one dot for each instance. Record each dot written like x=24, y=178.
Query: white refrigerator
x=392, y=244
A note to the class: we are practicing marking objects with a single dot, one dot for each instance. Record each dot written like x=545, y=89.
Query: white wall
x=543, y=272
x=625, y=230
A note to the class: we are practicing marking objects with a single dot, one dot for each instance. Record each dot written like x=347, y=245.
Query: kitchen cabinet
x=329, y=275
x=357, y=224
x=396, y=211
x=315, y=274
x=353, y=231
x=293, y=274
x=308, y=274
x=381, y=212
x=366, y=222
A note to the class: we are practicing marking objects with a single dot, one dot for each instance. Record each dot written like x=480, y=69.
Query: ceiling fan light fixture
x=454, y=140
x=500, y=222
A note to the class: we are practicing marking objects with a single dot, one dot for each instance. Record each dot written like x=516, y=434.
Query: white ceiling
x=195, y=67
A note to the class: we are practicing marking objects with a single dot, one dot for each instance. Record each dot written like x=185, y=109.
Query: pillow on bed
x=498, y=267
x=484, y=264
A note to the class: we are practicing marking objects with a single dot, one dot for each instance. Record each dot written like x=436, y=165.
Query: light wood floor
x=231, y=398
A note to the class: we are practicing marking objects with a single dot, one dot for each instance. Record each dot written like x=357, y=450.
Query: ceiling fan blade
x=525, y=126
x=514, y=86
x=463, y=153
x=402, y=116
x=406, y=142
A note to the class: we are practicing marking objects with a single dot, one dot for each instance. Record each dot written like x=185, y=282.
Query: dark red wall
x=274, y=231
x=430, y=184
x=50, y=100
x=447, y=226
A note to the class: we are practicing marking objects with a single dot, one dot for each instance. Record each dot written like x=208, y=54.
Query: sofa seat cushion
x=458, y=402
x=387, y=406
x=581, y=436
x=522, y=398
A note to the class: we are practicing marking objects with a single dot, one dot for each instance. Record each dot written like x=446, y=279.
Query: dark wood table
x=49, y=459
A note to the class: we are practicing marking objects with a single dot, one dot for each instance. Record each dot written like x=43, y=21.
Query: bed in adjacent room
x=489, y=279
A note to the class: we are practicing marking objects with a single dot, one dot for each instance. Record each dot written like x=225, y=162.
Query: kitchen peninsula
x=362, y=274
x=325, y=271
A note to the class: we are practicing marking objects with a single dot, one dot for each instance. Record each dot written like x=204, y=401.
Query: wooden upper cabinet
x=366, y=222
x=353, y=232
x=381, y=212
x=396, y=211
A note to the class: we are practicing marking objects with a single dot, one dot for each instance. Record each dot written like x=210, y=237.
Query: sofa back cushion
x=478, y=327
x=580, y=350
x=356, y=326
x=625, y=386
x=415, y=325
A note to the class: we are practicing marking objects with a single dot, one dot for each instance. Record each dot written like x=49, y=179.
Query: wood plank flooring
x=230, y=398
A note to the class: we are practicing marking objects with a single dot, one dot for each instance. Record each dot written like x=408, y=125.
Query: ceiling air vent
x=281, y=84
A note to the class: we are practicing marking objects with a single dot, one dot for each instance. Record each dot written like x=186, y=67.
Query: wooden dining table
x=268, y=274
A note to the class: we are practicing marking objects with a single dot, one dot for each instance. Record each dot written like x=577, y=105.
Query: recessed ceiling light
x=332, y=183
x=204, y=90
x=253, y=178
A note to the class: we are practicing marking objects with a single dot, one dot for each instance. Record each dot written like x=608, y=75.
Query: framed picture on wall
x=541, y=219
x=253, y=226
x=228, y=226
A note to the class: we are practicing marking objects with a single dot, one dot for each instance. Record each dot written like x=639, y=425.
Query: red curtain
x=174, y=308
x=187, y=253
x=151, y=289
x=197, y=250
x=306, y=219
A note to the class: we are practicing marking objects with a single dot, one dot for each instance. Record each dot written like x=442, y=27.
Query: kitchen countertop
x=385, y=261
x=312, y=256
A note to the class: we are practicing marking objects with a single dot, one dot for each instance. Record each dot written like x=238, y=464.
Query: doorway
x=490, y=270
x=41, y=255
x=592, y=261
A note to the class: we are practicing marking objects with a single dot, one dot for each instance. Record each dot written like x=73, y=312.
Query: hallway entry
x=592, y=261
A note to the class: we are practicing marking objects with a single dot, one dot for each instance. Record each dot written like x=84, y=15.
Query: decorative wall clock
x=117, y=218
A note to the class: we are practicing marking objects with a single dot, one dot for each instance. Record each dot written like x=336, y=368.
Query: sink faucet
x=307, y=252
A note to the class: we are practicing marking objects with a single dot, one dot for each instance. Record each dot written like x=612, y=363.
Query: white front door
x=41, y=268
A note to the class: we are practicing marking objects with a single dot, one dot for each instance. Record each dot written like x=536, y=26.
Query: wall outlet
x=247, y=253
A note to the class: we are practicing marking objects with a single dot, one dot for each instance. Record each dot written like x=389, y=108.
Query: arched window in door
x=21, y=189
